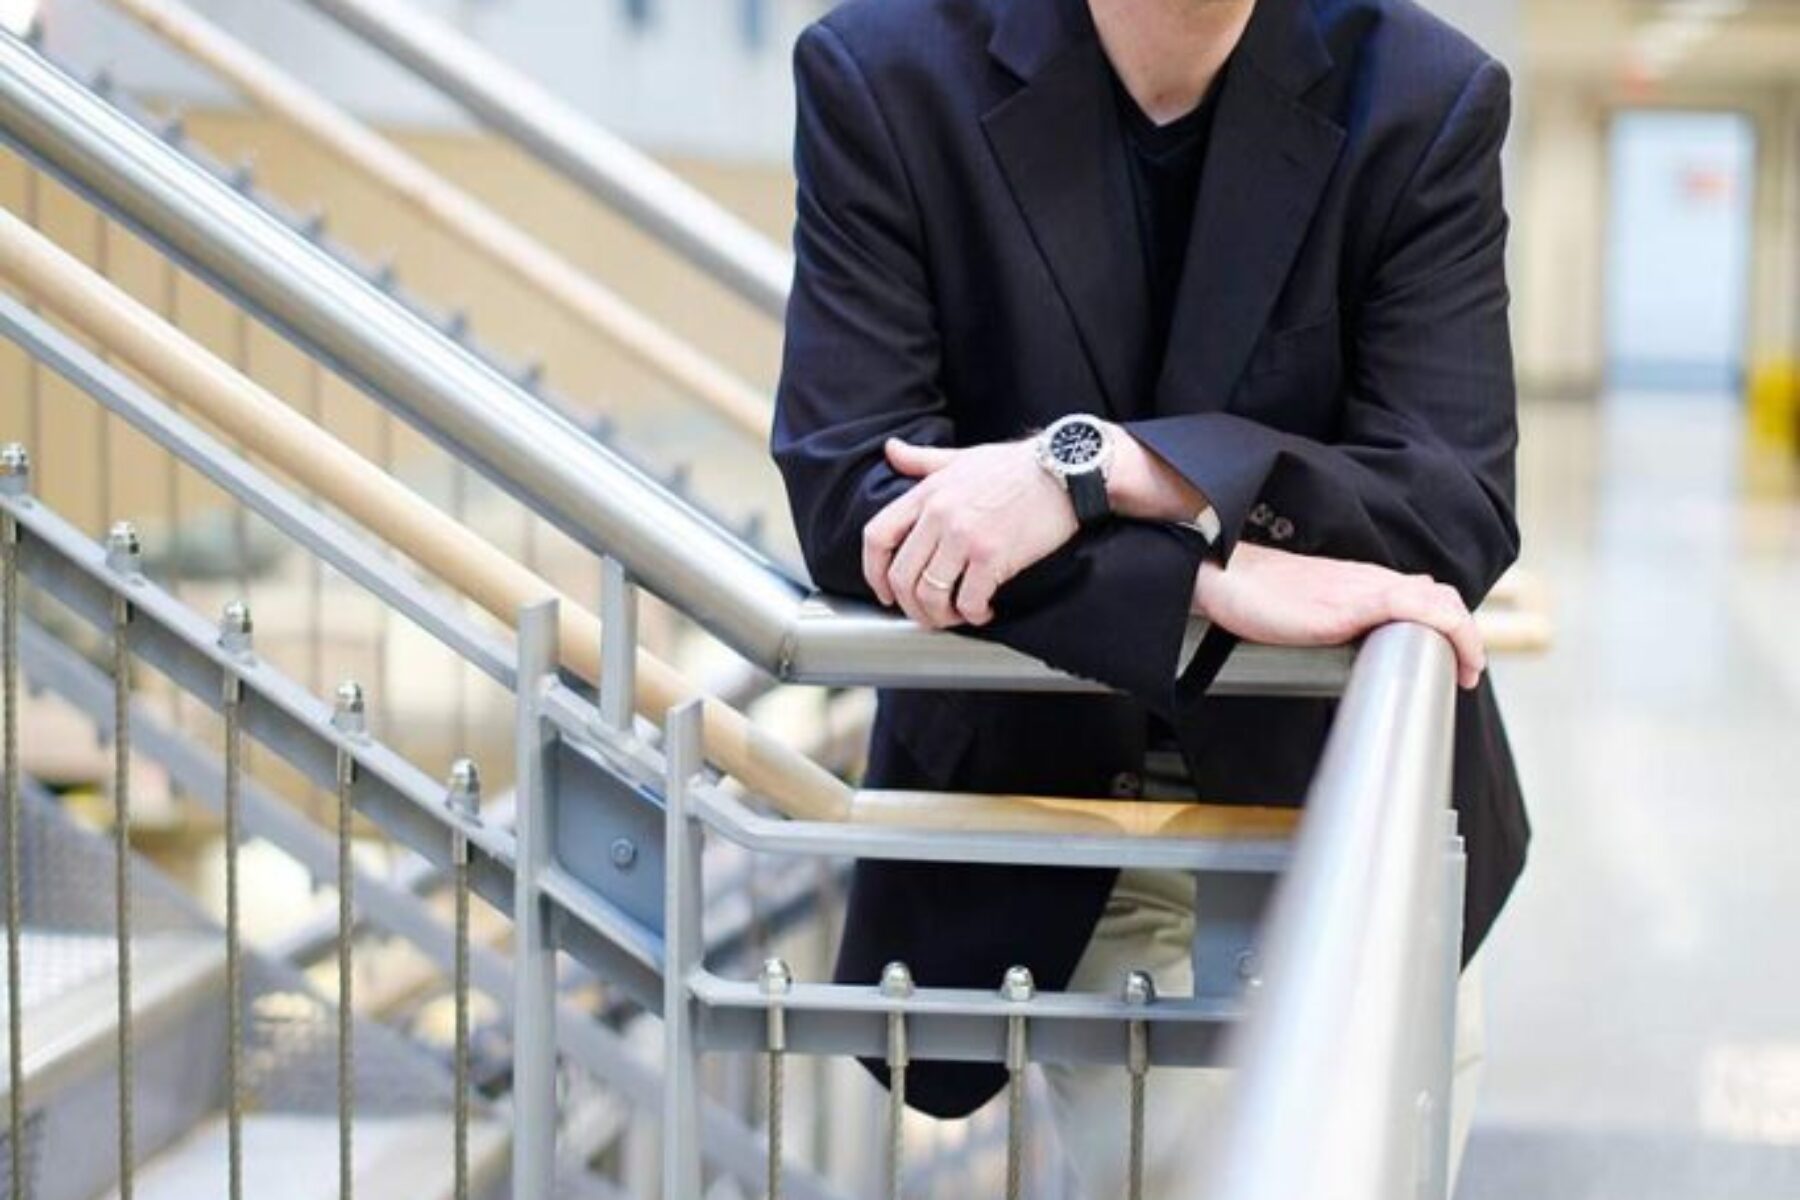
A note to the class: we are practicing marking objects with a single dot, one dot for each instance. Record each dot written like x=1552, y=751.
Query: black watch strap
x=1088, y=492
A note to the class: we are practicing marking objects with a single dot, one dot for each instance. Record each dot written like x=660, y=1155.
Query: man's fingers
x=938, y=585
x=909, y=562
x=882, y=536
x=917, y=461
x=1439, y=607
x=975, y=598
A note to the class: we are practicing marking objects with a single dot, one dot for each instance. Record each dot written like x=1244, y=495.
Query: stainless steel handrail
x=624, y=178
x=747, y=601
x=1365, y=932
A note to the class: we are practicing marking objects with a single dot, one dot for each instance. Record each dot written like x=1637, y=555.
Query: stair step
x=295, y=1158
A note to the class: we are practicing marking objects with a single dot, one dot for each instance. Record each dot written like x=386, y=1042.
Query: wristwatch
x=1076, y=451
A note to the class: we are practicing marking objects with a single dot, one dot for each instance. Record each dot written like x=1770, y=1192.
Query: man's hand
x=1281, y=599
x=978, y=517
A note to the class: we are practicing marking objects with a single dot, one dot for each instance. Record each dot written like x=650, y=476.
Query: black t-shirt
x=1165, y=164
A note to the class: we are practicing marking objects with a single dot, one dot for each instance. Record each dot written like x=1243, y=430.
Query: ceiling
x=1646, y=44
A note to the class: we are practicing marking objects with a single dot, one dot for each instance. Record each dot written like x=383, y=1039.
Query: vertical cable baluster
x=464, y=799
x=777, y=981
x=235, y=630
x=15, y=478
x=1140, y=992
x=1018, y=987
x=351, y=719
x=124, y=557
x=896, y=984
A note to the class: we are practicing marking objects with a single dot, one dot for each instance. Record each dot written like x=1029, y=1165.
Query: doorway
x=1680, y=233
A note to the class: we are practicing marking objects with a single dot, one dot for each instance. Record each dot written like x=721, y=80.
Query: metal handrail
x=438, y=201
x=744, y=599
x=1362, y=952
x=641, y=190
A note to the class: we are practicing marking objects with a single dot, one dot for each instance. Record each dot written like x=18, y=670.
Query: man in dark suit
x=1241, y=262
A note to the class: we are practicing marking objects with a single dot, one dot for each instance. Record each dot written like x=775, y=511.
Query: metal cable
x=462, y=1019
x=121, y=668
x=346, y=775
x=776, y=1098
x=234, y=976
x=1135, y=1167
x=1015, y=1133
x=896, y=1130
x=15, y=893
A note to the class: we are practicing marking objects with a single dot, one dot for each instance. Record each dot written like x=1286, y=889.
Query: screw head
x=235, y=628
x=1249, y=969
x=1018, y=986
x=1140, y=989
x=463, y=793
x=124, y=549
x=350, y=715
x=896, y=981
x=15, y=469
x=624, y=853
x=776, y=979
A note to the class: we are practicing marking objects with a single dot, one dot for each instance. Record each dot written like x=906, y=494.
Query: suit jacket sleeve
x=862, y=362
x=1420, y=477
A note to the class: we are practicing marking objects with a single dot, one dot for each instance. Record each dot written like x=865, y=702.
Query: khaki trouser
x=1149, y=926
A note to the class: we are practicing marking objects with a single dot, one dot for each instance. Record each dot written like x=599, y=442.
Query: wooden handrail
x=269, y=428
x=454, y=211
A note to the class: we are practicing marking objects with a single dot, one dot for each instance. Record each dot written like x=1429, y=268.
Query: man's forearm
x=1142, y=486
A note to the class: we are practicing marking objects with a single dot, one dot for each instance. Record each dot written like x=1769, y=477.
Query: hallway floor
x=1644, y=986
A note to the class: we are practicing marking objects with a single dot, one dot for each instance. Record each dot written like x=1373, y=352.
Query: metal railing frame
x=626, y=180
x=741, y=597
x=1371, y=857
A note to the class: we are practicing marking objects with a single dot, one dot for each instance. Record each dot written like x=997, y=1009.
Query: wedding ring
x=933, y=581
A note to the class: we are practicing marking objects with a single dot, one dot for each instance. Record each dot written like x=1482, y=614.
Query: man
x=1241, y=262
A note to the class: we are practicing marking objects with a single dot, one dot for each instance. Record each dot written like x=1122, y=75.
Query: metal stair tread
x=295, y=1158
x=71, y=999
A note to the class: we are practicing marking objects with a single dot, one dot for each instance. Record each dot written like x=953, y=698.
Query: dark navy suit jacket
x=1338, y=381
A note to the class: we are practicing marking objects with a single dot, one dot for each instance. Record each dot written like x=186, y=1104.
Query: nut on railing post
x=349, y=714
x=1017, y=988
x=776, y=982
x=124, y=549
x=1139, y=992
x=15, y=470
x=236, y=629
x=896, y=984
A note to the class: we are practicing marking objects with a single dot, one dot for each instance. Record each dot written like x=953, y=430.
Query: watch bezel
x=1063, y=471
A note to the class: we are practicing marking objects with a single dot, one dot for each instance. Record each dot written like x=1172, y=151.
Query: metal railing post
x=1017, y=988
x=124, y=556
x=618, y=646
x=15, y=480
x=235, y=632
x=534, y=955
x=682, y=950
x=351, y=719
x=463, y=797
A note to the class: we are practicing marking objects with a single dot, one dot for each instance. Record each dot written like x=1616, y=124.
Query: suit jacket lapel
x=1057, y=141
x=1270, y=158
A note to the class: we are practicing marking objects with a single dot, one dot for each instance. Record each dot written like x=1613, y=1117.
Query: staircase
x=609, y=881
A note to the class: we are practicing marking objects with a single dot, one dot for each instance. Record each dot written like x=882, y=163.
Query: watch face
x=1077, y=445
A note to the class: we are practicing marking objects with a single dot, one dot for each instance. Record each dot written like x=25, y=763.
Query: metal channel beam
x=959, y=1025
x=485, y=418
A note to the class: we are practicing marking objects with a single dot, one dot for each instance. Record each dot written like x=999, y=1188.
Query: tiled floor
x=1644, y=987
